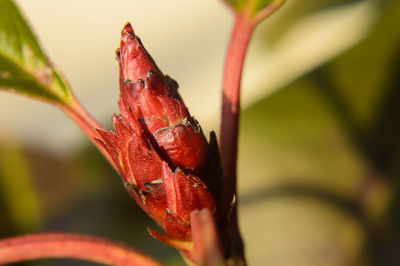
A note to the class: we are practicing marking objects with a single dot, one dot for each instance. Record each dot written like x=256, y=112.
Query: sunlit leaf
x=296, y=11
x=24, y=68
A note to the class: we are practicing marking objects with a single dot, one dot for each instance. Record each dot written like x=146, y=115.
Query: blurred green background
x=319, y=158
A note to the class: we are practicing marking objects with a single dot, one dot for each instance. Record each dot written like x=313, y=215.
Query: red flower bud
x=156, y=104
x=159, y=148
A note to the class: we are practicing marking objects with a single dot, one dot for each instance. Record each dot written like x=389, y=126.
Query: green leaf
x=259, y=5
x=237, y=4
x=255, y=7
x=24, y=68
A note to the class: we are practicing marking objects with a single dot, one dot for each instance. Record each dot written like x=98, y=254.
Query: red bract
x=159, y=149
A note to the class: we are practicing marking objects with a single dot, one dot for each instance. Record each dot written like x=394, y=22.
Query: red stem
x=242, y=31
x=72, y=246
x=87, y=124
x=245, y=23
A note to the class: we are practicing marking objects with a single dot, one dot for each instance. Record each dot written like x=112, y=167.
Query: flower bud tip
x=128, y=30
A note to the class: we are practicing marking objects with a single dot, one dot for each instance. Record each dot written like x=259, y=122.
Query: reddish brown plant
x=159, y=148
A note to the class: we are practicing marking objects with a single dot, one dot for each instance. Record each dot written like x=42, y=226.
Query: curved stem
x=87, y=124
x=242, y=30
x=245, y=22
x=72, y=246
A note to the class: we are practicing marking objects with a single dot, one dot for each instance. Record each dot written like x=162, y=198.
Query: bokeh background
x=319, y=158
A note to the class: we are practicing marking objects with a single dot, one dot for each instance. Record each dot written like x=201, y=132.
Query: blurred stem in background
x=333, y=137
x=18, y=191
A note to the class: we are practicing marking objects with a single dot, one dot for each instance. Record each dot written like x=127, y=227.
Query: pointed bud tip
x=128, y=30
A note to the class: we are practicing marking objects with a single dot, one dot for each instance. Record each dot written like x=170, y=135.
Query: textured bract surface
x=159, y=148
